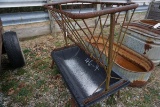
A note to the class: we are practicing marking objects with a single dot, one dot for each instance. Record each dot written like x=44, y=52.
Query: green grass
x=39, y=79
x=5, y=75
x=38, y=64
x=158, y=96
x=42, y=104
x=43, y=67
x=23, y=95
x=58, y=44
x=147, y=98
x=111, y=100
x=55, y=71
x=96, y=105
x=151, y=95
x=6, y=86
x=21, y=71
x=41, y=64
x=36, y=77
x=24, y=92
x=26, y=51
x=40, y=83
x=68, y=104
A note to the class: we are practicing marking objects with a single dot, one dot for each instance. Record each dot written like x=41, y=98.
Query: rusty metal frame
x=84, y=38
x=91, y=14
x=144, y=26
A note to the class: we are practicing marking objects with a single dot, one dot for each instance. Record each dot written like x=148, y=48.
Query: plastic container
x=83, y=76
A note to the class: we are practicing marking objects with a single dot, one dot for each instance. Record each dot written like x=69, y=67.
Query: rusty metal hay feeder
x=83, y=28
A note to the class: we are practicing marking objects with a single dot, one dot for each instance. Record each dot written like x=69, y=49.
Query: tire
x=13, y=49
x=3, y=49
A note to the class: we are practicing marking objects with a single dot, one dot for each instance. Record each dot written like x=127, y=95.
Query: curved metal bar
x=95, y=13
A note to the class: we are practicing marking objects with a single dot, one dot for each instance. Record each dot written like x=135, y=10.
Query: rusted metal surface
x=0, y=42
x=144, y=39
x=110, y=53
x=92, y=14
x=147, y=47
x=149, y=22
x=69, y=22
x=146, y=25
x=137, y=68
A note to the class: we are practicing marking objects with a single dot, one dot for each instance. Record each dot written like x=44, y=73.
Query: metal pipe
x=110, y=53
x=94, y=14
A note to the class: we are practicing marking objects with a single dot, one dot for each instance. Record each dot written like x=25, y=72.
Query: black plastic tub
x=83, y=76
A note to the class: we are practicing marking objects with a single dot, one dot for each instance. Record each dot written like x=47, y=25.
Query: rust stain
x=149, y=22
x=147, y=46
x=125, y=58
x=144, y=52
x=148, y=28
x=138, y=83
x=125, y=62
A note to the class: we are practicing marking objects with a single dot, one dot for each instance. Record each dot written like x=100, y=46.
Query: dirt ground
x=37, y=85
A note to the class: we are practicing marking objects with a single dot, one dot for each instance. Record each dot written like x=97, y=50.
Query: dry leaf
x=58, y=76
x=21, y=85
x=11, y=91
x=51, y=86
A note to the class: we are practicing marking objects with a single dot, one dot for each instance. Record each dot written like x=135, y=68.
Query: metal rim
x=91, y=14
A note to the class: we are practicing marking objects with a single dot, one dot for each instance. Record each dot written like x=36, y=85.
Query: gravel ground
x=37, y=85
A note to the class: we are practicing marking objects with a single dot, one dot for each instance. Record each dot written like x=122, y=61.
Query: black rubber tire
x=13, y=49
x=3, y=49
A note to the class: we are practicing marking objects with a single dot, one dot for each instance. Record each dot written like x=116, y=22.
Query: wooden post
x=52, y=21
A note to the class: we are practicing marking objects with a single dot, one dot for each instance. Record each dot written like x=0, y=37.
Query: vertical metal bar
x=98, y=6
x=91, y=38
x=110, y=52
x=128, y=12
x=61, y=25
x=117, y=16
x=79, y=11
x=101, y=27
x=96, y=23
x=64, y=27
x=75, y=32
x=119, y=40
x=52, y=21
